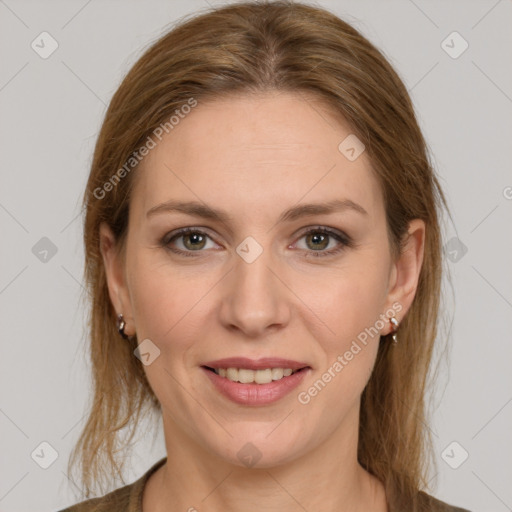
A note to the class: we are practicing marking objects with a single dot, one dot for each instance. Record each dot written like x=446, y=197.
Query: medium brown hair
x=250, y=48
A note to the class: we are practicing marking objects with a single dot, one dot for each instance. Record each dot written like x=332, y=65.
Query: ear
x=114, y=271
x=405, y=273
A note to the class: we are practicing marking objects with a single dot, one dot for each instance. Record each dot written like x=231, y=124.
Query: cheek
x=350, y=302
x=155, y=302
x=351, y=309
x=168, y=310
x=168, y=303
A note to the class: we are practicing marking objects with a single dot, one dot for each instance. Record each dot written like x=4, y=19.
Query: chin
x=261, y=448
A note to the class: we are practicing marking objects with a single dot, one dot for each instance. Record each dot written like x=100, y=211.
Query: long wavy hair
x=249, y=48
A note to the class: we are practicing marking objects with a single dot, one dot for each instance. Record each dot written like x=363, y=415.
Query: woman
x=263, y=254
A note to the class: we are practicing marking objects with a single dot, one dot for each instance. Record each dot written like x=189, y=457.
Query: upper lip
x=255, y=364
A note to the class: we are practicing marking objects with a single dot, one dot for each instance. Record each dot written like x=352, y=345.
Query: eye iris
x=194, y=237
x=318, y=237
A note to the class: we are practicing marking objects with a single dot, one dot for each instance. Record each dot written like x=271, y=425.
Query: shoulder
x=432, y=504
x=124, y=499
x=115, y=501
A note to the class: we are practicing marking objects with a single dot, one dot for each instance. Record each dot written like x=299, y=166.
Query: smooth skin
x=255, y=156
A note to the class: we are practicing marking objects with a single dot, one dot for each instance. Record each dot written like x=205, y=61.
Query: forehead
x=256, y=154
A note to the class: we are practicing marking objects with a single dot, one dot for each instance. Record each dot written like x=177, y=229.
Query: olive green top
x=129, y=498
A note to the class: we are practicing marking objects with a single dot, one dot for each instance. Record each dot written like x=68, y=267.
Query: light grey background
x=51, y=111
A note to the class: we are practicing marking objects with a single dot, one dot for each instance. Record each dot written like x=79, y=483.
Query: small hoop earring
x=121, y=324
x=395, y=324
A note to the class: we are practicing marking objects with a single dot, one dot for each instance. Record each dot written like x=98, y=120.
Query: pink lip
x=256, y=394
x=255, y=364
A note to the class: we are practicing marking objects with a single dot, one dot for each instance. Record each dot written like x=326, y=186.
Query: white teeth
x=277, y=373
x=263, y=376
x=246, y=376
x=232, y=374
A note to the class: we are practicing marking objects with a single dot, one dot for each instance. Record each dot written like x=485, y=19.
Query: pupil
x=319, y=237
x=193, y=239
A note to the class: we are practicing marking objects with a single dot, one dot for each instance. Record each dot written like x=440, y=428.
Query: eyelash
x=345, y=241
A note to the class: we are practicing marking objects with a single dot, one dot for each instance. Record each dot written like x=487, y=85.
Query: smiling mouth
x=248, y=376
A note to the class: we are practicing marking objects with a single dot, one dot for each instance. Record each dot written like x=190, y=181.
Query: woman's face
x=259, y=279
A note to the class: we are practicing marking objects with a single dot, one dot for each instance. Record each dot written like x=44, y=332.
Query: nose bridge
x=254, y=299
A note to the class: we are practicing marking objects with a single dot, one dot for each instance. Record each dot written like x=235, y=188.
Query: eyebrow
x=198, y=209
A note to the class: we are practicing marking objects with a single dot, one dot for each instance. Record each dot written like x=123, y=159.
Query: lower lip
x=256, y=394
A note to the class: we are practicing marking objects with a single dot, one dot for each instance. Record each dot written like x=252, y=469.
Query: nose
x=255, y=301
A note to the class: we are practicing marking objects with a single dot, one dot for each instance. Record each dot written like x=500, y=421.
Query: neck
x=327, y=477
